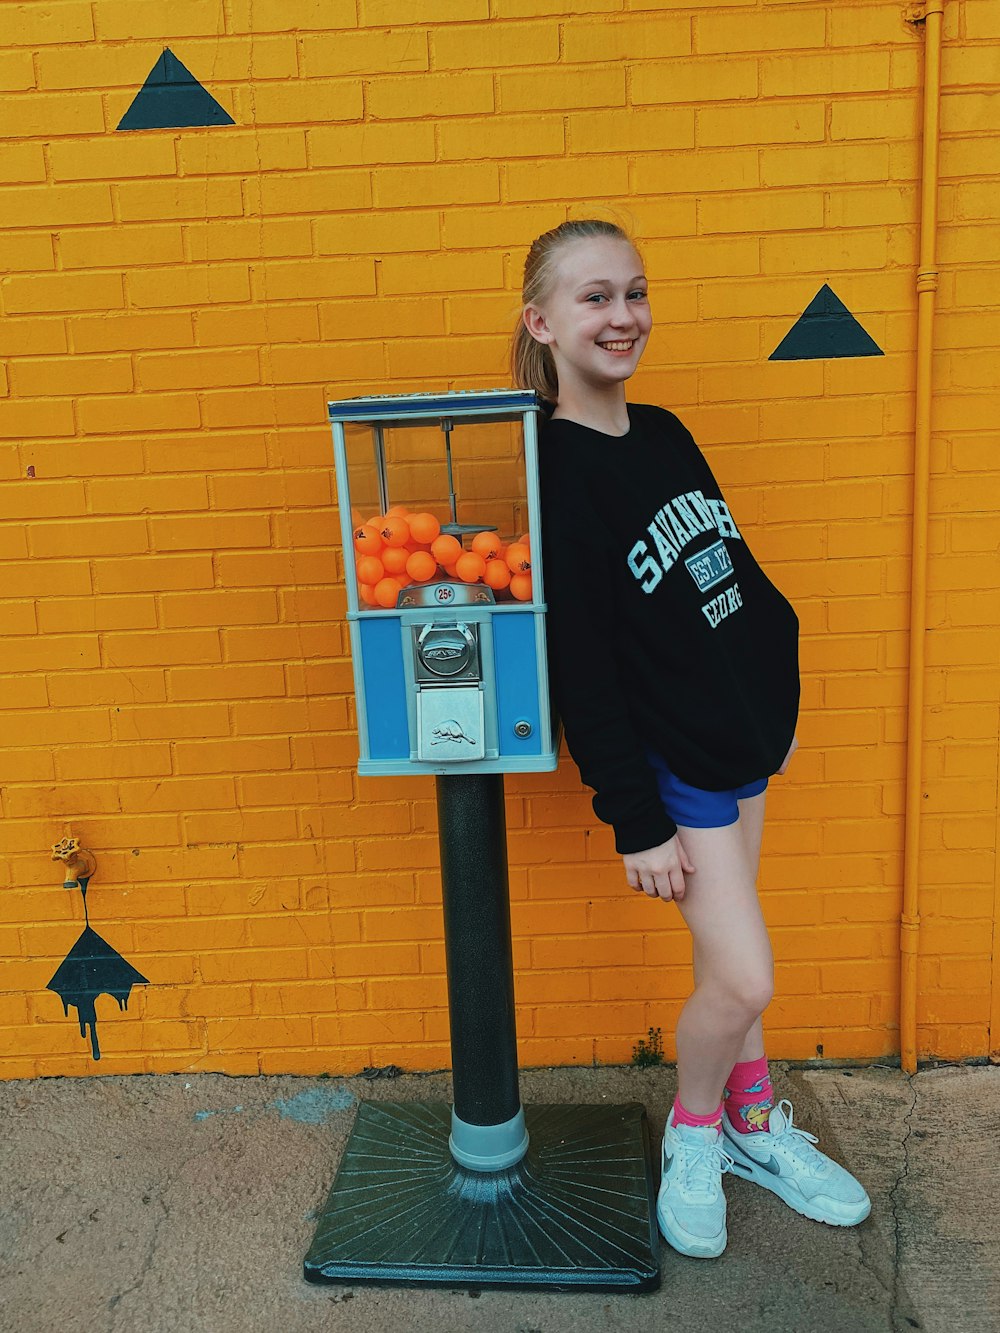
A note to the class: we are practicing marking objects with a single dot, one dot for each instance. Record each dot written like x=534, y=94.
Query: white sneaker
x=783, y=1160
x=691, y=1207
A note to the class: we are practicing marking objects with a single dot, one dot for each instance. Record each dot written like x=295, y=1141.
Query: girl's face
x=595, y=318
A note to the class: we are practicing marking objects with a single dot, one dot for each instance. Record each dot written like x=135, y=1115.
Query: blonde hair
x=531, y=362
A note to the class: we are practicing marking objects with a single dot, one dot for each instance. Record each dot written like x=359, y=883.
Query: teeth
x=619, y=346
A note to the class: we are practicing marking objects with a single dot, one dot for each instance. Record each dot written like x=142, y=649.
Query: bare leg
x=734, y=965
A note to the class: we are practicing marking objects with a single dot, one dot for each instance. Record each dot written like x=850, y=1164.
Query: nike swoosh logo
x=770, y=1165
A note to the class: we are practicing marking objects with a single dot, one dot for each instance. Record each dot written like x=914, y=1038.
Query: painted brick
x=501, y=137
x=138, y=412
x=263, y=150
x=155, y=574
x=371, y=143
x=570, y=179
x=48, y=114
x=364, y=53
x=793, y=123
x=693, y=81
x=307, y=101
x=315, y=193
x=188, y=285
x=277, y=238
x=197, y=370
x=100, y=160
x=379, y=13
x=28, y=252
x=55, y=205
x=834, y=164
x=628, y=39
x=154, y=722
x=846, y=72
x=112, y=333
x=254, y=16
x=65, y=376
x=376, y=232
x=874, y=118
x=433, y=95
x=759, y=32
x=88, y=537
x=561, y=89
x=226, y=682
x=693, y=172
x=442, y=273
x=90, y=291
x=124, y=248
x=496, y=45
x=407, y=187
x=155, y=201
x=17, y=71
x=773, y=210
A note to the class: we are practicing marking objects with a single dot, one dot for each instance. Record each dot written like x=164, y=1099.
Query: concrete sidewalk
x=185, y=1205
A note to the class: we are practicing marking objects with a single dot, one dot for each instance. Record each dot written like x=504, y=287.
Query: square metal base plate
x=576, y=1213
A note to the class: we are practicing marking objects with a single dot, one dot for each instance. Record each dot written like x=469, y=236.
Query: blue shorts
x=695, y=808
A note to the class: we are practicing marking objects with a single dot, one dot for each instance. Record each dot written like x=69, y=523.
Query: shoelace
x=796, y=1140
x=701, y=1166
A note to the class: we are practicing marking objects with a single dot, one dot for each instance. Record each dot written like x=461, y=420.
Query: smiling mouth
x=624, y=345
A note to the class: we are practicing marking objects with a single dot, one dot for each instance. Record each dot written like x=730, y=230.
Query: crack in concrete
x=147, y=1262
x=899, y=1315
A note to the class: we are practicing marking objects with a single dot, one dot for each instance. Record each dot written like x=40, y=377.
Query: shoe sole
x=693, y=1247
x=747, y=1168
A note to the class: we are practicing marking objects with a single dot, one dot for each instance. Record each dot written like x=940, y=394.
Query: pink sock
x=682, y=1117
x=749, y=1096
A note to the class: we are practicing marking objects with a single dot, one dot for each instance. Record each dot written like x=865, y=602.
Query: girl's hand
x=791, y=750
x=659, y=871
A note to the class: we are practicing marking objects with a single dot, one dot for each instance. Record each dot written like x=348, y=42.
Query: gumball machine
x=444, y=593
x=442, y=556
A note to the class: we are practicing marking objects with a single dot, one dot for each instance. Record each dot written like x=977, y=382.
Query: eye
x=596, y=296
x=637, y=295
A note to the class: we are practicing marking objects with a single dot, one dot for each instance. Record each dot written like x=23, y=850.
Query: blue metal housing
x=520, y=733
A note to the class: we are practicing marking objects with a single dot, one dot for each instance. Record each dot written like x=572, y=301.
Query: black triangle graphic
x=172, y=98
x=826, y=328
x=91, y=968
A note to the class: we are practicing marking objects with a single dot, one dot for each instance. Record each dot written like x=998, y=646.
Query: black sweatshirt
x=663, y=631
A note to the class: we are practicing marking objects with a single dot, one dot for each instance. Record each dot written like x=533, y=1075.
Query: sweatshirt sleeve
x=588, y=686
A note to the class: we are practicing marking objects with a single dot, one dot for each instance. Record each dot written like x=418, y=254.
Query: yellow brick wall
x=178, y=305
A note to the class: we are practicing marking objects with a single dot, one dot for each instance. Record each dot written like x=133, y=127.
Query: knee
x=752, y=993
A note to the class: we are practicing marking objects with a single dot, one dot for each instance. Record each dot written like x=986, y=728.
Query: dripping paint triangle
x=825, y=329
x=172, y=98
x=91, y=968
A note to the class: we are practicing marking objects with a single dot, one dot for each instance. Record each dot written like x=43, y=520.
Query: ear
x=534, y=322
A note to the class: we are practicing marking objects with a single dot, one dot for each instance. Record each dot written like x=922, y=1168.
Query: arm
x=589, y=687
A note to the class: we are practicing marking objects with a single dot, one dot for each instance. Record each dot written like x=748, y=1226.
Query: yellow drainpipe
x=933, y=12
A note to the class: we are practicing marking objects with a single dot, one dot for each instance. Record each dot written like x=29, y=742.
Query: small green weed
x=649, y=1051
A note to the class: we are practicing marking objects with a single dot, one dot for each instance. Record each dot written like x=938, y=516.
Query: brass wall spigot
x=80, y=864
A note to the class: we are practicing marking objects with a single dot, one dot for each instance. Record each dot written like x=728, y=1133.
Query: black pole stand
x=488, y=1193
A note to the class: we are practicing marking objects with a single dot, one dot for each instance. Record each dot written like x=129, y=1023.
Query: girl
x=674, y=664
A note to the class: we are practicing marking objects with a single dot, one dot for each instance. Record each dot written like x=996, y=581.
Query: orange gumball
x=387, y=590
x=446, y=550
x=421, y=566
x=424, y=528
x=367, y=540
x=451, y=571
x=518, y=558
x=470, y=567
x=520, y=587
x=496, y=575
x=394, y=530
x=400, y=510
x=367, y=594
x=394, y=559
x=370, y=569
x=487, y=544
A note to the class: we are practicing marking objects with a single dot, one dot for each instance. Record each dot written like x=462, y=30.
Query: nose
x=620, y=314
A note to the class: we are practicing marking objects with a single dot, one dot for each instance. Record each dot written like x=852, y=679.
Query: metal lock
x=522, y=729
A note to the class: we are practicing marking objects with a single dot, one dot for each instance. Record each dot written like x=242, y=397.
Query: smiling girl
x=674, y=665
